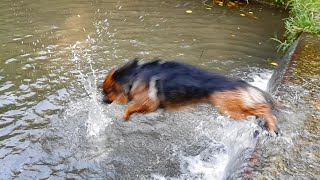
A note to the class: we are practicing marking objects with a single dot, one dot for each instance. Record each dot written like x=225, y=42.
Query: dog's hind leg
x=263, y=110
x=258, y=103
x=145, y=100
x=238, y=105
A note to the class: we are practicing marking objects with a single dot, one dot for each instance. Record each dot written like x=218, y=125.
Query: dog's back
x=177, y=81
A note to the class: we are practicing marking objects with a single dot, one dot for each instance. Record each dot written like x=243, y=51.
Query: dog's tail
x=255, y=94
x=275, y=104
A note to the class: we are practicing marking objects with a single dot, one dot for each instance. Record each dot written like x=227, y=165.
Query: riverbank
x=296, y=81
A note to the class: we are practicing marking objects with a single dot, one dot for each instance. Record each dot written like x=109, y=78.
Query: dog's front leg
x=133, y=109
x=143, y=108
x=145, y=99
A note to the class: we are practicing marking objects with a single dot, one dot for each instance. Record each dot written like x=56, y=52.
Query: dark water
x=53, y=124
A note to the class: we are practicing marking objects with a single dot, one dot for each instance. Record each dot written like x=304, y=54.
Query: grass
x=304, y=17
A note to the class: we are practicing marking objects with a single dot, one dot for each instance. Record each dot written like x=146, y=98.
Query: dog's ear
x=109, y=78
x=126, y=69
x=130, y=65
x=111, y=74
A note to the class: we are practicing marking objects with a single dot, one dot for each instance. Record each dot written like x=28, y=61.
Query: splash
x=96, y=121
x=261, y=79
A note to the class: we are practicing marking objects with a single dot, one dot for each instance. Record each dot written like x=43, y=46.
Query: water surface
x=53, y=54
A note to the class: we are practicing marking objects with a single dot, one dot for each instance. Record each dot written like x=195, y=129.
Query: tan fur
x=142, y=101
x=233, y=104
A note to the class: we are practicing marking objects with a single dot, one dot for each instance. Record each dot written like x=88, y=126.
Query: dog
x=172, y=85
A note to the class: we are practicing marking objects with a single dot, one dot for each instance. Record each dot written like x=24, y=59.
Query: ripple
x=41, y=58
x=11, y=60
x=45, y=105
x=6, y=86
x=7, y=100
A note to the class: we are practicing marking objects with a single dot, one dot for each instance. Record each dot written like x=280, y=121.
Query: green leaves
x=304, y=17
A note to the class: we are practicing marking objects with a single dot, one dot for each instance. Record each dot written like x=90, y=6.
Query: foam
x=261, y=79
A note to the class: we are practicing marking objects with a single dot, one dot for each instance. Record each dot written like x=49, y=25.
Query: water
x=55, y=126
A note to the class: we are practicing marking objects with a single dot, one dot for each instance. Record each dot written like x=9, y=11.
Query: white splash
x=207, y=170
x=97, y=120
x=261, y=79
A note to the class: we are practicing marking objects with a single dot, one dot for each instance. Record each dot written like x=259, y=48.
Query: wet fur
x=172, y=85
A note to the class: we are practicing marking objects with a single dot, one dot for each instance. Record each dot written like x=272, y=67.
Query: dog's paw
x=274, y=132
x=273, y=129
x=126, y=116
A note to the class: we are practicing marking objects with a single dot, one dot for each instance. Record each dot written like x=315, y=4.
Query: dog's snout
x=106, y=100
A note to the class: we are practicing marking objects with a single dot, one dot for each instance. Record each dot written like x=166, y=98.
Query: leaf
x=231, y=4
x=274, y=64
x=242, y=14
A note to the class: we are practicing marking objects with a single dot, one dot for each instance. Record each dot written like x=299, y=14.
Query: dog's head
x=116, y=84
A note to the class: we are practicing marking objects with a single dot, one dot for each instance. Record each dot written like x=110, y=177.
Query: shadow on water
x=54, y=124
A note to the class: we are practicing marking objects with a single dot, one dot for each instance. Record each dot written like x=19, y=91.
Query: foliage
x=304, y=17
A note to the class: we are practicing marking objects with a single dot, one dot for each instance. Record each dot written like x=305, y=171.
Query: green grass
x=304, y=17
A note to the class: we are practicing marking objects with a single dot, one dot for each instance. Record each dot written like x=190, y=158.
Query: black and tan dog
x=171, y=85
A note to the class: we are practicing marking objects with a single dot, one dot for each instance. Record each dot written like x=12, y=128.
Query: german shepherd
x=172, y=85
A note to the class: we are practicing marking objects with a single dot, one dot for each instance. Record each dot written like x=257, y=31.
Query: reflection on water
x=53, y=124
